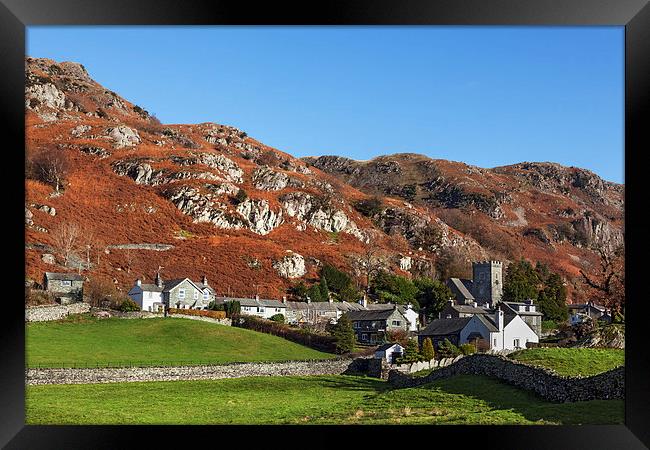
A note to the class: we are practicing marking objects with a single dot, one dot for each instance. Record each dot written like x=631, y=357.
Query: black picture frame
x=634, y=15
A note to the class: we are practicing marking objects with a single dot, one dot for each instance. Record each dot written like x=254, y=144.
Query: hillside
x=146, y=195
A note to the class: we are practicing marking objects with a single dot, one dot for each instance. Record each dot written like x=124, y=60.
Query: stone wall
x=225, y=321
x=56, y=312
x=237, y=370
x=544, y=382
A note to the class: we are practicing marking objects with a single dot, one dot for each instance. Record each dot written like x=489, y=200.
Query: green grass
x=464, y=399
x=573, y=361
x=85, y=341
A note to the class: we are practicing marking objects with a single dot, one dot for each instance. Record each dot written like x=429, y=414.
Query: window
x=260, y=309
x=66, y=283
x=397, y=323
x=495, y=342
x=357, y=325
x=364, y=337
x=206, y=294
x=516, y=343
x=196, y=295
x=181, y=293
x=150, y=294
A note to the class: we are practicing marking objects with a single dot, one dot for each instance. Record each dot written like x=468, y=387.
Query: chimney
x=204, y=280
x=284, y=299
x=409, y=306
x=159, y=282
x=364, y=301
x=257, y=297
x=308, y=300
x=450, y=302
x=330, y=300
x=138, y=282
x=498, y=318
x=475, y=305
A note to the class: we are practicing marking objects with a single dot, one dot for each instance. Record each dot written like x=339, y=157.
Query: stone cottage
x=65, y=287
x=181, y=293
x=371, y=327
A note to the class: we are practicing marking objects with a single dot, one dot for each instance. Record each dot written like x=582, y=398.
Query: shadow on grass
x=499, y=395
x=356, y=383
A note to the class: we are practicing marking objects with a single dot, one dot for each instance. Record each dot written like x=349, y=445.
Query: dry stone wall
x=56, y=312
x=544, y=382
x=214, y=372
x=225, y=321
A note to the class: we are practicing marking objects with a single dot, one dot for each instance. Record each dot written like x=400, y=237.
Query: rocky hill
x=209, y=199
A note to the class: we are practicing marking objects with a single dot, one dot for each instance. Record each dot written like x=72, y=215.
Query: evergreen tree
x=521, y=282
x=411, y=352
x=389, y=288
x=552, y=299
x=324, y=289
x=427, y=350
x=314, y=293
x=432, y=295
x=343, y=334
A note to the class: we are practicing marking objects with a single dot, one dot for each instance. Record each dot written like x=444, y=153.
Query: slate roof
x=441, y=327
x=63, y=276
x=387, y=306
x=521, y=313
x=460, y=285
x=151, y=288
x=381, y=314
x=469, y=309
x=253, y=302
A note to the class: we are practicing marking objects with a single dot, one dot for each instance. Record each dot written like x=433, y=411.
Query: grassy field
x=86, y=341
x=340, y=399
x=573, y=361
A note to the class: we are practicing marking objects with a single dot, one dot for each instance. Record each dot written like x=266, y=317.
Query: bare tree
x=131, y=258
x=608, y=285
x=367, y=264
x=65, y=238
x=51, y=166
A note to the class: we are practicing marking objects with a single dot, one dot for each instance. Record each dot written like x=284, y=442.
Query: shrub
x=447, y=350
x=343, y=335
x=548, y=325
x=467, y=349
x=370, y=207
x=277, y=318
x=427, y=350
x=101, y=292
x=199, y=312
x=35, y=297
x=129, y=305
x=232, y=308
x=320, y=342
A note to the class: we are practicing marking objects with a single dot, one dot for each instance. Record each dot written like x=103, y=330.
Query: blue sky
x=487, y=96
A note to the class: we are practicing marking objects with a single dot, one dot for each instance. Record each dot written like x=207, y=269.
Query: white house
x=503, y=333
x=181, y=293
x=390, y=352
x=149, y=297
x=258, y=307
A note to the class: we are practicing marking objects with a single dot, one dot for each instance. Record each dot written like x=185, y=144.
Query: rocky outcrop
x=139, y=171
x=47, y=95
x=45, y=208
x=97, y=151
x=202, y=208
x=405, y=263
x=608, y=336
x=80, y=130
x=230, y=170
x=154, y=247
x=123, y=136
x=316, y=212
x=267, y=179
x=261, y=218
x=291, y=266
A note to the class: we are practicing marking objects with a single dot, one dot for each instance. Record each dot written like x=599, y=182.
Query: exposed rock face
x=609, y=336
x=317, y=213
x=230, y=170
x=28, y=217
x=80, y=130
x=291, y=266
x=139, y=171
x=98, y=151
x=46, y=95
x=123, y=136
x=405, y=263
x=267, y=179
x=45, y=208
x=598, y=232
x=262, y=219
x=202, y=208
x=48, y=258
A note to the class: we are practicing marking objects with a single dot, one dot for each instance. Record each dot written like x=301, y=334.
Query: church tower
x=487, y=281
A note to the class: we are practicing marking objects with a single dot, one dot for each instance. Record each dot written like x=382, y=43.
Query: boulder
x=48, y=258
x=291, y=266
x=124, y=136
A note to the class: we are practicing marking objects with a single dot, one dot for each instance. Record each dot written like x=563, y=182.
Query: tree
x=50, y=166
x=432, y=295
x=552, y=299
x=521, y=282
x=389, y=288
x=314, y=293
x=397, y=335
x=233, y=308
x=277, y=318
x=101, y=292
x=369, y=262
x=129, y=305
x=447, y=350
x=608, y=285
x=343, y=334
x=324, y=289
x=427, y=349
x=299, y=290
x=411, y=352
x=65, y=237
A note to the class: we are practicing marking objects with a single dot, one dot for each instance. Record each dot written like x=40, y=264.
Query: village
x=475, y=316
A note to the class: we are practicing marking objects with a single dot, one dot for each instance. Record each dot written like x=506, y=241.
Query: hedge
x=320, y=342
x=199, y=312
